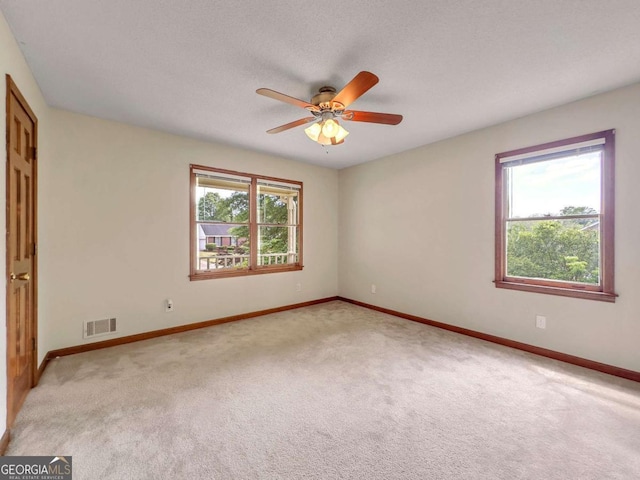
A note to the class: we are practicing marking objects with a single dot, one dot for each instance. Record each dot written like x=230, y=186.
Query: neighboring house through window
x=218, y=235
x=555, y=218
x=243, y=224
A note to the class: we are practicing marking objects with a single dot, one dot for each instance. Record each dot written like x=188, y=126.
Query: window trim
x=254, y=269
x=603, y=292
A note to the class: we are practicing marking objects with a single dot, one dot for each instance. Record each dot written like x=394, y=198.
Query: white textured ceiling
x=191, y=67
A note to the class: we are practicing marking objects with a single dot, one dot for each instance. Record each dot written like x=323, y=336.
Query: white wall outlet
x=298, y=287
x=541, y=321
x=168, y=306
x=373, y=288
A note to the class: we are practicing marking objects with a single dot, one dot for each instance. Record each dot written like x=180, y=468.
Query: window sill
x=564, y=292
x=243, y=273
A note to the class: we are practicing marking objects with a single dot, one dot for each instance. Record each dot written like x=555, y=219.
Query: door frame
x=12, y=90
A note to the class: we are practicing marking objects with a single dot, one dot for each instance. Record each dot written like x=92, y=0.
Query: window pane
x=564, y=186
x=222, y=201
x=277, y=206
x=222, y=246
x=242, y=222
x=278, y=245
x=565, y=250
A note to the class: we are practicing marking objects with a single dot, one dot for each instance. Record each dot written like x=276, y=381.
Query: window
x=555, y=218
x=243, y=224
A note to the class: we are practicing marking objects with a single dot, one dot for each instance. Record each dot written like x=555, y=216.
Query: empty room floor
x=332, y=391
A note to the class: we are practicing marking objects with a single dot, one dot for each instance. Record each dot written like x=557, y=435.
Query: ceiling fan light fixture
x=330, y=128
x=326, y=132
x=322, y=140
x=341, y=135
x=314, y=131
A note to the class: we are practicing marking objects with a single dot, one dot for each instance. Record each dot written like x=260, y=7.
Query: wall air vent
x=96, y=328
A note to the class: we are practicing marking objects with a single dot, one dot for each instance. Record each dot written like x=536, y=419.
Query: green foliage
x=238, y=207
x=554, y=249
x=274, y=240
x=211, y=207
x=210, y=247
x=235, y=209
x=272, y=210
x=577, y=269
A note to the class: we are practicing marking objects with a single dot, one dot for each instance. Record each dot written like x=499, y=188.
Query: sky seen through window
x=546, y=187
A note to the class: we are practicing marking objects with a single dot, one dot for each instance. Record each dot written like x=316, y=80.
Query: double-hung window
x=555, y=218
x=243, y=224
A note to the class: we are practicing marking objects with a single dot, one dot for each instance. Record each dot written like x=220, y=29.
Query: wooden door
x=21, y=249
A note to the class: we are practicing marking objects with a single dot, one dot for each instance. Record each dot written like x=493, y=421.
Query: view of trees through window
x=233, y=208
x=273, y=217
x=244, y=223
x=218, y=206
x=559, y=249
x=553, y=216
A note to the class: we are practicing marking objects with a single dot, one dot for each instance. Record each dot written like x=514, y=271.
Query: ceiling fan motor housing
x=324, y=97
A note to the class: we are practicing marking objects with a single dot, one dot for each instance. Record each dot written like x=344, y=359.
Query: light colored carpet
x=332, y=391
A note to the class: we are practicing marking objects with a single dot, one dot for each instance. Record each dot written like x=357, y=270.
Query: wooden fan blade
x=372, y=117
x=267, y=92
x=355, y=88
x=287, y=126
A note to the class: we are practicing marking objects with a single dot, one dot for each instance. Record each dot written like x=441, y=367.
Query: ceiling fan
x=327, y=107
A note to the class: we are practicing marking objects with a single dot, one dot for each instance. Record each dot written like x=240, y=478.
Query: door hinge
x=35, y=249
x=34, y=152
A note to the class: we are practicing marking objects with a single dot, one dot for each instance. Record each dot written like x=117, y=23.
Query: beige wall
x=437, y=201
x=115, y=231
x=13, y=63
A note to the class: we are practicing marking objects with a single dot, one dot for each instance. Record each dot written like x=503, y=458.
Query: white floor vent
x=97, y=328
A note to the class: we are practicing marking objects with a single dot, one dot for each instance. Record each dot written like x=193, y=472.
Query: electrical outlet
x=168, y=306
x=541, y=321
x=298, y=287
x=373, y=288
